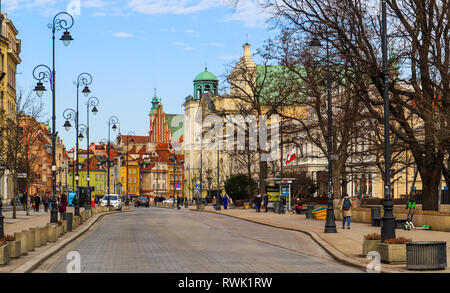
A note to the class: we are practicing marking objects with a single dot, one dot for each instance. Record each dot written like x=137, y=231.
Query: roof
x=136, y=139
x=206, y=76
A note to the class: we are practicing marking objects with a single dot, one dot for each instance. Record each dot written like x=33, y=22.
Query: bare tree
x=419, y=31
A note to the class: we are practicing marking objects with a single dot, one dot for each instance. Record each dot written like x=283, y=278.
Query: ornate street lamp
x=113, y=120
x=388, y=220
x=62, y=20
x=130, y=133
x=91, y=102
x=330, y=225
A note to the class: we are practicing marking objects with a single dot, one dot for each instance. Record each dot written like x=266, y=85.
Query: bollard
x=30, y=240
x=37, y=237
x=23, y=237
x=43, y=231
x=51, y=233
x=68, y=217
x=13, y=248
x=4, y=254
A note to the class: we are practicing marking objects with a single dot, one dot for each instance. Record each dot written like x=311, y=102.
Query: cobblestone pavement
x=153, y=240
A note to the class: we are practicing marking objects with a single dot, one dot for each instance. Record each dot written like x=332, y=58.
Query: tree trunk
x=262, y=176
x=430, y=188
x=14, y=196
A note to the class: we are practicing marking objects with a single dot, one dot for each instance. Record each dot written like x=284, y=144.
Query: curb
x=36, y=261
x=336, y=254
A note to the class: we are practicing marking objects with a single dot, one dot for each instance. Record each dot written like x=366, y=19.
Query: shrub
x=240, y=187
x=373, y=236
x=10, y=238
x=400, y=240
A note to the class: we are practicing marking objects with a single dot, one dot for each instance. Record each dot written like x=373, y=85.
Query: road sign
x=178, y=186
x=22, y=175
x=198, y=186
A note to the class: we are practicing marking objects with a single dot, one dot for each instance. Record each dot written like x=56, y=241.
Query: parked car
x=170, y=200
x=114, y=200
x=142, y=201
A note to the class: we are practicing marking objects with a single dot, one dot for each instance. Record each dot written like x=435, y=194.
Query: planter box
x=76, y=221
x=370, y=245
x=37, y=237
x=13, y=248
x=30, y=240
x=4, y=254
x=393, y=253
x=23, y=237
x=43, y=231
x=51, y=233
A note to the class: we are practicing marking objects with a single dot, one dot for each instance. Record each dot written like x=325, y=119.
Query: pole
x=88, y=204
x=109, y=161
x=330, y=225
x=54, y=211
x=77, y=202
x=388, y=220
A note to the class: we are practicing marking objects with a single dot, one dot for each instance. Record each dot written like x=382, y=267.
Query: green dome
x=206, y=75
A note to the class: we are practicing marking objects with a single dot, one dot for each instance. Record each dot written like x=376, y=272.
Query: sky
x=131, y=47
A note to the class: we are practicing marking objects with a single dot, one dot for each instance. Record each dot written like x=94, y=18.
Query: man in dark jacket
x=266, y=201
x=258, y=201
x=37, y=202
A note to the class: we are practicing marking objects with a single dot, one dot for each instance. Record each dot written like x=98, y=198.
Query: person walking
x=63, y=205
x=258, y=201
x=346, y=209
x=45, y=201
x=266, y=201
x=225, y=202
x=37, y=202
x=214, y=202
x=178, y=202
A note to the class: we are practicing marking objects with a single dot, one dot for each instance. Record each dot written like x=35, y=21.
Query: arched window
x=207, y=88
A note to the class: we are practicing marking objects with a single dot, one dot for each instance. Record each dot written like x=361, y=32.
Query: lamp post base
x=54, y=211
x=388, y=221
x=330, y=225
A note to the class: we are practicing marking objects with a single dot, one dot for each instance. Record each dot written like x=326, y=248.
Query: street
x=155, y=240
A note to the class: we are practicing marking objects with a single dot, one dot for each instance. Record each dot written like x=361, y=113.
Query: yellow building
x=133, y=176
x=10, y=48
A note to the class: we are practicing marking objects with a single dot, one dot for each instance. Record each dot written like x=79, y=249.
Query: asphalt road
x=156, y=240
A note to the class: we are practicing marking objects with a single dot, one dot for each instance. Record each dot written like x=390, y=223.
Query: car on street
x=142, y=201
x=170, y=200
x=114, y=201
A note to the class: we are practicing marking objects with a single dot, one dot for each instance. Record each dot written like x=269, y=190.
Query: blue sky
x=131, y=47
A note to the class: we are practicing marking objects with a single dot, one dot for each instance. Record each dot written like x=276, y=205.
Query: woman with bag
x=346, y=209
x=63, y=205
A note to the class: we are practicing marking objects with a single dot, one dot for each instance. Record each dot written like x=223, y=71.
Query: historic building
x=10, y=48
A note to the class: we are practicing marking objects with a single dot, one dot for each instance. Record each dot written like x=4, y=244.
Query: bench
x=376, y=222
x=400, y=223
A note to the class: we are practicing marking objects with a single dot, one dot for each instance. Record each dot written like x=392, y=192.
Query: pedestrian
x=45, y=201
x=24, y=200
x=63, y=205
x=225, y=201
x=214, y=202
x=178, y=202
x=346, y=209
x=258, y=201
x=37, y=202
x=266, y=201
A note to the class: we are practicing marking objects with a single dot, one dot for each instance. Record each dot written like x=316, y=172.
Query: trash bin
x=375, y=213
x=277, y=207
x=68, y=217
x=282, y=208
x=309, y=212
x=426, y=255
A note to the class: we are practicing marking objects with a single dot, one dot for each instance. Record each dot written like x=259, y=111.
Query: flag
x=290, y=156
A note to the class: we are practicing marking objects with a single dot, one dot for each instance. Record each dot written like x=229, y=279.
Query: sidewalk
x=345, y=245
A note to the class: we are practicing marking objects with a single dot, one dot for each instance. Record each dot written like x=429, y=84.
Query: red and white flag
x=290, y=156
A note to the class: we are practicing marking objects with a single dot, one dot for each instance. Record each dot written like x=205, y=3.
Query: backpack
x=347, y=205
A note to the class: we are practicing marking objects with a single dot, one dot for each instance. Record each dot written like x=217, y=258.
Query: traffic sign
x=178, y=186
x=22, y=175
x=198, y=186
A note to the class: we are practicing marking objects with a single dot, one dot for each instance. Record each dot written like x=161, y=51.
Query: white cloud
x=229, y=57
x=188, y=49
x=169, y=30
x=172, y=6
x=123, y=35
x=190, y=31
x=248, y=12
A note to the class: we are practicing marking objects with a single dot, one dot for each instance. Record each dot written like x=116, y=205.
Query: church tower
x=205, y=82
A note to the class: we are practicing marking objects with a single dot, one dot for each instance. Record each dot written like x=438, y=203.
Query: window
x=134, y=171
x=134, y=179
x=123, y=170
x=134, y=189
x=123, y=180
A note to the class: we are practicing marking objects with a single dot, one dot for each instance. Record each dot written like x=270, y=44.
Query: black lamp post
x=62, y=20
x=91, y=102
x=112, y=120
x=71, y=115
x=130, y=133
x=388, y=220
x=330, y=225
x=2, y=231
